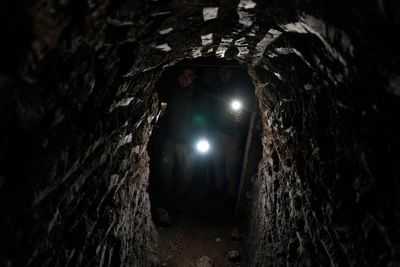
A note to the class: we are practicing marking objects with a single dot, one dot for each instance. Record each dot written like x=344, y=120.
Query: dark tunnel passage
x=207, y=112
x=81, y=108
x=198, y=193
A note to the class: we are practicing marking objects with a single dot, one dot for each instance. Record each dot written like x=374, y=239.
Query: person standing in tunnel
x=176, y=168
x=228, y=129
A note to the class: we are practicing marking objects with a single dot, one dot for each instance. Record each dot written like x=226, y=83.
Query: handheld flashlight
x=236, y=105
x=203, y=146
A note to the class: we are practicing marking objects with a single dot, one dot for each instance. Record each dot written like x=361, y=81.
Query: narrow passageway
x=194, y=204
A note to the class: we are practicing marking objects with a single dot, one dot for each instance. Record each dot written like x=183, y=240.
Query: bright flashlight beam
x=236, y=105
x=203, y=146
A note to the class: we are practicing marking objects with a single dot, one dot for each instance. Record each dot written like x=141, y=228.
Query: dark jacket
x=184, y=117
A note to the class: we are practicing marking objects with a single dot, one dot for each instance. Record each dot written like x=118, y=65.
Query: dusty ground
x=203, y=229
x=184, y=243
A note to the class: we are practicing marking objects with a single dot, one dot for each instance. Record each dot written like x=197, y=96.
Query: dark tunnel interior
x=209, y=116
x=101, y=162
x=191, y=185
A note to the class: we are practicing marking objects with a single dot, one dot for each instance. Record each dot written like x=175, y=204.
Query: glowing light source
x=203, y=146
x=236, y=105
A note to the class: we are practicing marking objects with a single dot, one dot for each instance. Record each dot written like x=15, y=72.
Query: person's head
x=186, y=77
x=226, y=74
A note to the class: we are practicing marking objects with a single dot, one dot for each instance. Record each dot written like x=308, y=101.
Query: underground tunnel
x=80, y=103
x=204, y=151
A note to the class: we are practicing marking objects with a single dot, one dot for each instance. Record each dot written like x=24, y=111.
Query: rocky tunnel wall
x=78, y=116
x=327, y=190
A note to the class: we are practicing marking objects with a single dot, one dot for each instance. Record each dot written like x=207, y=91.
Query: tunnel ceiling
x=78, y=110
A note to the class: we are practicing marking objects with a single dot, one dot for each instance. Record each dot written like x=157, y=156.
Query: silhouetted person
x=179, y=128
x=229, y=125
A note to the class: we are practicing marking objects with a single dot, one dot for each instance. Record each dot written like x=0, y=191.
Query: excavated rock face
x=77, y=119
x=328, y=168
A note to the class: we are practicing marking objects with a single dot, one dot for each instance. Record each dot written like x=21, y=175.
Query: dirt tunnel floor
x=204, y=228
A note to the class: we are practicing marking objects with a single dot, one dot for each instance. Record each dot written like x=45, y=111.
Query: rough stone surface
x=205, y=261
x=327, y=188
x=78, y=105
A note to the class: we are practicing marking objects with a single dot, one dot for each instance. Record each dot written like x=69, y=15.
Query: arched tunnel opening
x=79, y=104
x=200, y=194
